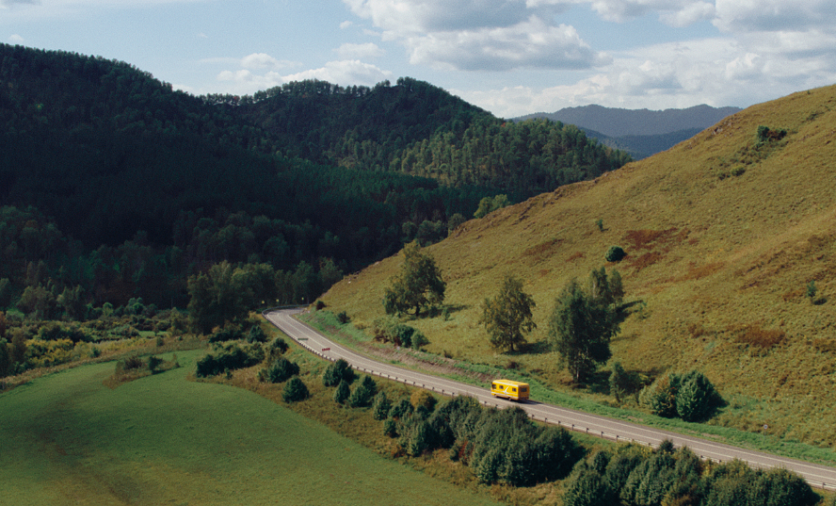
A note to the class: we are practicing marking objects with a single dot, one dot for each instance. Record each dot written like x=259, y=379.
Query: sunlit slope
x=722, y=241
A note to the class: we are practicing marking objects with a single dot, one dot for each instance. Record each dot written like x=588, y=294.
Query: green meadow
x=65, y=438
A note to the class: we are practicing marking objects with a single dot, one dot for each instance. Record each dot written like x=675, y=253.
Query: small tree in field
x=508, y=315
x=417, y=285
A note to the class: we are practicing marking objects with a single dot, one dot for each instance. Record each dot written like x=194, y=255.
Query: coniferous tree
x=360, y=397
x=696, y=397
x=381, y=406
x=342, y=392
x=295, y=390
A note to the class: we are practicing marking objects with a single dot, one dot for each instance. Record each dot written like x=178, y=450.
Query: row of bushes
x=633, y=476
x=499, y=445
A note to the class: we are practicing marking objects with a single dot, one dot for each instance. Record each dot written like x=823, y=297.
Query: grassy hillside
x=722, y=238
x=67, y=439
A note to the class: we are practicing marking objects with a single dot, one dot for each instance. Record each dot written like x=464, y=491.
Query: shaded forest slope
x=724, y=234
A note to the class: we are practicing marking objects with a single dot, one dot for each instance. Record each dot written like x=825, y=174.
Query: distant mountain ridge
x=614, y=122
x=640, y=132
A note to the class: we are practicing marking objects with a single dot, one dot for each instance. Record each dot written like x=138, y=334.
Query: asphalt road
x=818, y=476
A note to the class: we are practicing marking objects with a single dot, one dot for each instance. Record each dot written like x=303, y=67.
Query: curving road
x=817, y=475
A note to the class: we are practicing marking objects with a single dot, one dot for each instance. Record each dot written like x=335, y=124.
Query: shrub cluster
x=766, y=135
x=280, y=370
x=390, y=330
x=229, y=332
x=615, y=254
x=669, y=476
x=227, y=357
x=362, y=395
x=690, y=397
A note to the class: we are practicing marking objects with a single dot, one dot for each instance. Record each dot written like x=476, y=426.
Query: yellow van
x=509, y=389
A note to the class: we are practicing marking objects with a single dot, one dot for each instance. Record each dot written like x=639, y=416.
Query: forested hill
x=305, y=176
x=419, y=129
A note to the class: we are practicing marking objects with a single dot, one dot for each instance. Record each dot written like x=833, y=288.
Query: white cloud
x=358, y=51
x=689, y=14
x=531, y=43
x=775, y=15
x=248, y=80
x=9, y=3
x=671, y=12
x=744, y=67
x=480, y=34
x=345, y=24
x=260, y=61
x=16, y=39
x=422, y=16
x=344, y=72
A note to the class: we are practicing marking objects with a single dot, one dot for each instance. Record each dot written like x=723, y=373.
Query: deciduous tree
x=508, y=315
x=580, y=328
x=217, y=296
x=417, y=285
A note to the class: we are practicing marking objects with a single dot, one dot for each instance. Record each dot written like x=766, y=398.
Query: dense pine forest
x=114, y=186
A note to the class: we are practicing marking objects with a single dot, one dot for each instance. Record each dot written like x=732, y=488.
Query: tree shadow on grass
x=628, y=308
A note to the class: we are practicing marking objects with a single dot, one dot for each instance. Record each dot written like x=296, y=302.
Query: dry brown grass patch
x=646, y=260
x=764, y=339
x=575, y=256
x=702, y=271
x=696, y=330
x=792, y=295
x=641, y=239
x=543, y=250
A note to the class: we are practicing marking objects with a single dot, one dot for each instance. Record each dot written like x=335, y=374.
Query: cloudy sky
x=511, y=57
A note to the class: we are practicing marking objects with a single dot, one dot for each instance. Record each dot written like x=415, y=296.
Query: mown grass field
x=67, y=439
x=722, y=238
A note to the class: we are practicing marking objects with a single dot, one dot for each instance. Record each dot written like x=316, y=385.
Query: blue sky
x=511, y=57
